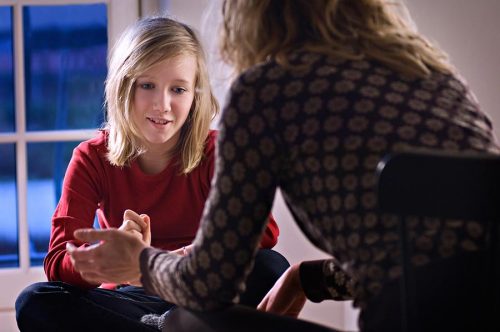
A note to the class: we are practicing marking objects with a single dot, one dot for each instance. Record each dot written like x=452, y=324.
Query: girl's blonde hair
x=255, y=30
x=146, y=43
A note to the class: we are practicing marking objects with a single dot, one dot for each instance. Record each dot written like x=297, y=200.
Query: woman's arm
x=272, y=231
x=235, y=216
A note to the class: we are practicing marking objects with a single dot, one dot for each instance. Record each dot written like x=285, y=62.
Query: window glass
x=6, y=72
x=8, y=218
x=47, y=163
x=65, y=50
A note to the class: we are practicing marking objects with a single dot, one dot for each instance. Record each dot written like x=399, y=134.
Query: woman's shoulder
x=295, y=66
x=261, y=71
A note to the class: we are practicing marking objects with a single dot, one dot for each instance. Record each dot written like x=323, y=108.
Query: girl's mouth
x=158, y=121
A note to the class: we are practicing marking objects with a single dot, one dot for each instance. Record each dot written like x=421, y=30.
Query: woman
x=155, y=156
x=324, y=90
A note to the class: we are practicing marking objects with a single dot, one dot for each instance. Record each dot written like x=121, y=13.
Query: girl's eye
x=147, y=86
x=179, y=90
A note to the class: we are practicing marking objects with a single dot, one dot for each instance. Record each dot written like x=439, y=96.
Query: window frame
x=120, y=14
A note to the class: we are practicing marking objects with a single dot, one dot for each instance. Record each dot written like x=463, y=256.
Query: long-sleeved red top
x=92, y=185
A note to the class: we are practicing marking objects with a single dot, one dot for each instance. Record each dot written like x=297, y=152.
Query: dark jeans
x=57, y=306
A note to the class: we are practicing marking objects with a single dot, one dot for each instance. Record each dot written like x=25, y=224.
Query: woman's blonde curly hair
x=146, y=43
x=256, y=30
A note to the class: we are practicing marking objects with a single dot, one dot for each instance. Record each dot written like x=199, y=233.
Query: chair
x=463, y=186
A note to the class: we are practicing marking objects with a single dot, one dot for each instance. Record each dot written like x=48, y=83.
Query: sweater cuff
x=312, y=280
x=146, y=260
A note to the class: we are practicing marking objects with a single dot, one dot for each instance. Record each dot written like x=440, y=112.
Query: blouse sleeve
x=325, y=280
x=270, y=237
x=235, y=215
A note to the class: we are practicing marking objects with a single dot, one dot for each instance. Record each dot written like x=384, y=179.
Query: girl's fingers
x=130, y=225
x=131, y=215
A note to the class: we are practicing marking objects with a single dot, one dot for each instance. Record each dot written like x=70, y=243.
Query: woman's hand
x=286, y=297
x=138, y=225
x=114, y=258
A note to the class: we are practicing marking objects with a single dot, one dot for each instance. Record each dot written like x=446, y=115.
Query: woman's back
x=329, y=123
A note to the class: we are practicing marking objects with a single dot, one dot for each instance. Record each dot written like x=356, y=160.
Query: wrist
x=311, y=280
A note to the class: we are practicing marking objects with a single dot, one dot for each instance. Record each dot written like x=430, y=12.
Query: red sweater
x=174, y=203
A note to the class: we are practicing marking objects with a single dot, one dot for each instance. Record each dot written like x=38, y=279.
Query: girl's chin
x=159, y=140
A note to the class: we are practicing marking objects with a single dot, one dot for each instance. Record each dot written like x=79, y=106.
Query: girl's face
x=163, y=96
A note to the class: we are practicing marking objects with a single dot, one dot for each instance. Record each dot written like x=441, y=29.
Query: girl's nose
x=162, y=102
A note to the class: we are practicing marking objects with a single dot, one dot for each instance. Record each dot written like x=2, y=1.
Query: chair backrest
x=462, y=186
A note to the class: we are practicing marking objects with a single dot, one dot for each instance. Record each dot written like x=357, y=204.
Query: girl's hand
x=138, y=225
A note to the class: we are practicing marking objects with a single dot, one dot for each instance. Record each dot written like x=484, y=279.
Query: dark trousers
x=57, y=306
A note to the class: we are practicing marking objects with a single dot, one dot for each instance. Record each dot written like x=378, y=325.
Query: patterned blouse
x=317, y=129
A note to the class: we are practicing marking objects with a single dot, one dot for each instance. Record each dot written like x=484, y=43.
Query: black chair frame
x=463, y=186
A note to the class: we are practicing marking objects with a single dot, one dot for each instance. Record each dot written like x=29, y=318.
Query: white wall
x=469, y=31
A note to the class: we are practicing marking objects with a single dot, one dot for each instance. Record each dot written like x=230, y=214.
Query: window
x=52, y=71
x=8, y=224
x=65, y=48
